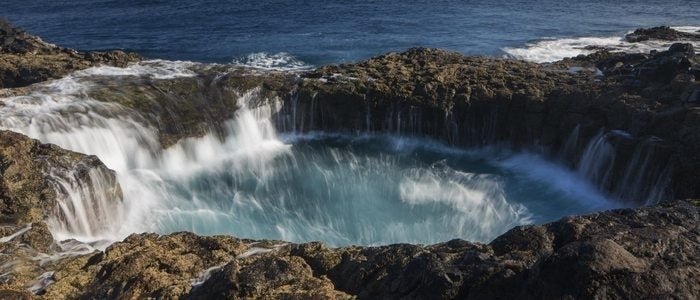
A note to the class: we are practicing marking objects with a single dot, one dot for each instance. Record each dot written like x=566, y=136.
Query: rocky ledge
x=27, y=59
x=648, y=252
x=632, y=253
x=663, y=33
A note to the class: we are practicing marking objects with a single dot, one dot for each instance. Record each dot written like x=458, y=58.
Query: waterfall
x=87, y=206
x=569, y=150
x=597, y=161
x=647, y=174
x=641, y=177
x=247, y=181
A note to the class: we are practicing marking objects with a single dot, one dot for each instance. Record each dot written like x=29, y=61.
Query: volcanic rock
x=27, y=59
x=663, y=33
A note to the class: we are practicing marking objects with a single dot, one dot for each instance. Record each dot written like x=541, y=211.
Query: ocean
x=313, y=33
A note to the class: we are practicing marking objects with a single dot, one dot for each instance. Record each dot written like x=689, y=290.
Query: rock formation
x=26, y=59
x=28, y=171
x=647, y=252
x=663, y=33
x=645, y=105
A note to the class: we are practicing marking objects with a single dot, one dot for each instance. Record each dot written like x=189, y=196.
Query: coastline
x=642, y=251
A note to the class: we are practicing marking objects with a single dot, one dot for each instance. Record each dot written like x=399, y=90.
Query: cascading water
x=339, y=189
x=644, y=175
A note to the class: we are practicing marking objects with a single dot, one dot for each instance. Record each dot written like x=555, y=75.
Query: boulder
x=663, y=33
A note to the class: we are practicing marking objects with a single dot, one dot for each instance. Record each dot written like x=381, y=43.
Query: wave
x=554, y=49
x=281, y=61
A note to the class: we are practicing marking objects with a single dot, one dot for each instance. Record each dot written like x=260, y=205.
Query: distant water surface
x=319, y=32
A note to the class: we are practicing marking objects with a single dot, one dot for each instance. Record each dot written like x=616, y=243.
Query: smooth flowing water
x=340, y=189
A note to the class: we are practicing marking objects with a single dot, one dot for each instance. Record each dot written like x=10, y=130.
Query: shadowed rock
x=663, y=33
x=631, y=253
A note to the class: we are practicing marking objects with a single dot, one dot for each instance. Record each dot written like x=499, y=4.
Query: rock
x=685, y=49
x=16, y=41
x=270, y=277
x=26, y=59
x=8, y=293
x=663, y=33
x=26, y=183
x=38, y=237
x=645, y=252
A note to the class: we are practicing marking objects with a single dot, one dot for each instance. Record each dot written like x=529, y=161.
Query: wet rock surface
x=26, y=59
x=663, y=33
x=648, y=252
x=27, y=183
x=472, y=101
x=191, y=106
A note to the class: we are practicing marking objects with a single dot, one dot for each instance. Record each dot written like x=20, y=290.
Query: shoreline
x=643, y=96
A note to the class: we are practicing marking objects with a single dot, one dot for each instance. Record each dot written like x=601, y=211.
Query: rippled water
x=319, y=32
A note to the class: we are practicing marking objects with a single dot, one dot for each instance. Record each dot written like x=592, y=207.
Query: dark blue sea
x=318, y=32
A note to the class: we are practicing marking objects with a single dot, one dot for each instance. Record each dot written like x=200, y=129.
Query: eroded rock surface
x=663, y=33
x=27, y=59
x=649, y=252
x=631, y=253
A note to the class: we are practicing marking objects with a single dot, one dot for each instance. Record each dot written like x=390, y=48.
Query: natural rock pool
x=251, y=182
x=367, y=190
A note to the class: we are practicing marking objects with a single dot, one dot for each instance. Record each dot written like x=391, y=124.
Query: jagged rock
x=663, y=33
x=191, y=106
x=26, y=184
x=629, y=253
x=266, y=277
x=649, y=252
x=27, y=59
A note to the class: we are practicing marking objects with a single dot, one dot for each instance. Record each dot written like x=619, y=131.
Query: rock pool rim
x=545, y=251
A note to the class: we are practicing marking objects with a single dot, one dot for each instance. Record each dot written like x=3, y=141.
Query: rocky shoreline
x=648, y=252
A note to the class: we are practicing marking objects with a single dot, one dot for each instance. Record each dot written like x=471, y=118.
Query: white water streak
x=554, y=49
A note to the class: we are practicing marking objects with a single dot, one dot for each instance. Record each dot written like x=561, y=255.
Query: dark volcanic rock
x=663, y=33
x=26, y=59
x=472, y=101
x=642, y=253
x=192, y=106
x=464, y=101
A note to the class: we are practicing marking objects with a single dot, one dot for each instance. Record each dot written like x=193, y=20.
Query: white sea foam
x=157, y=69
x=279, y=61
x=688, y=29
x=554, y=49
x=480, y=200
